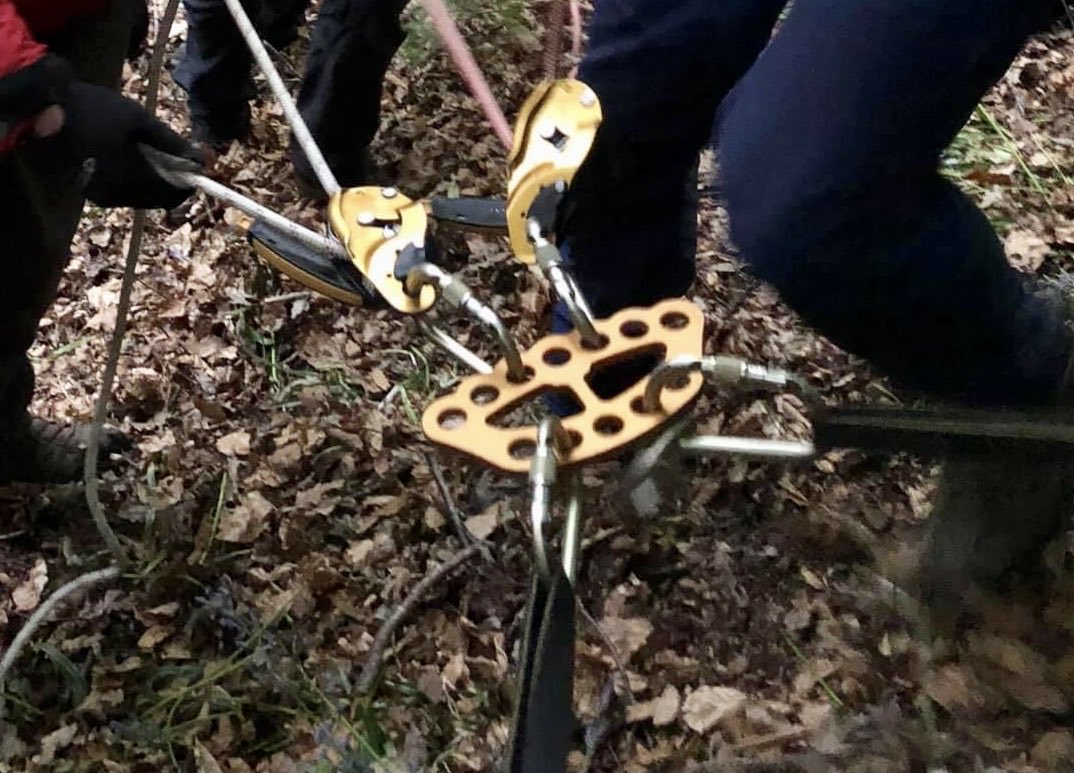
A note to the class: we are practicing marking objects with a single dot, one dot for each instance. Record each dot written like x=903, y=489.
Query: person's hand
x=105, y=129
x=32, y=99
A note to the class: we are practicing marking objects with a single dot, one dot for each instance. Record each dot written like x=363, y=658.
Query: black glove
x=106, y=128
x=26, y=92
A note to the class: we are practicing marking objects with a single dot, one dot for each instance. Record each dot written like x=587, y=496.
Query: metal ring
x=664, y=374
x=725, y=370
x=552, y=442
x=458, y=294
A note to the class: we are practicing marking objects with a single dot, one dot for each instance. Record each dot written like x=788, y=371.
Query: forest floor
x=281, y=502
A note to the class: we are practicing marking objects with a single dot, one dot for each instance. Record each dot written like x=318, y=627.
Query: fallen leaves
x=327, y=520
x=27, y=595
x=661, y=710
x=627, y=635
x=245, y=522
x=707, y=707
x=483, y=525
x=236, y=443
x=55, y=742
x=1026, y=249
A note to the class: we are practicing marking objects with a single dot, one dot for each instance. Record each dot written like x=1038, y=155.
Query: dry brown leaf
x=246, y=521
x=1054, y=750
x=53, y=742
x=153, y=636
x=27, y=595
x=316, y=499
x=813, y=672
x=358, y=552
x=627, y=634
x=1026, y=250
x=662, y=710
x=204, y=760
x=235, y=444
x=706, y=707
x=956, y=690
x=482, y=526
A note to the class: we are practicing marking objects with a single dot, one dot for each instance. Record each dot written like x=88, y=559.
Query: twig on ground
x=42, y=613
x=452, y=509
x=613, y=651
x=404, y=610
x=597, y=731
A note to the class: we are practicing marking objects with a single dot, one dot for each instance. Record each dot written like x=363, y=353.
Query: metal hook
x=726, y=370
x=455, y=292
x=553, y=442
x=550, y=262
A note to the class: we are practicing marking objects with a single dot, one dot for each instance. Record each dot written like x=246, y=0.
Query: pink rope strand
x=576, y=29
x=464, y=62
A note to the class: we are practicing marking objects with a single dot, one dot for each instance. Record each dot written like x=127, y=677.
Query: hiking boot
x=993, y=515
x=34, y=450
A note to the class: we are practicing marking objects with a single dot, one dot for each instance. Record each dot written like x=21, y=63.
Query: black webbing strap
x=470, y=213
x=945, y=431
x=544, y=717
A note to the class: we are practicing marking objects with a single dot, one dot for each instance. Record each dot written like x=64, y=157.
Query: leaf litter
x=282, y=506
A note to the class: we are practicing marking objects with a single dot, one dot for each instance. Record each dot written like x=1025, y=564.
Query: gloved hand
x=106, y=127
x=26, y=95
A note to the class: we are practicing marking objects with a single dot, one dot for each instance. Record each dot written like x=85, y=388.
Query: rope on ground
x=380, y=642
x=134, y=251
x=43, y=613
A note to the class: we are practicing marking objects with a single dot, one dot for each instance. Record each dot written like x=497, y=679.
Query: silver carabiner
x=456, y=293
x=553, y=442
x=550, y=261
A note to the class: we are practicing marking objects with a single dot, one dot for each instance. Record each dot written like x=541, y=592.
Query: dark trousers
x=829, y=136
x=351, y=47
x=41, y=204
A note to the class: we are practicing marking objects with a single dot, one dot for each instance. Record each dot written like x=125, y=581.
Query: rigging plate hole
x=556, y=356
x=523, y=448
x=608, y=425
x=674, y=320
x=603, y=342
x=677, y=382
x=634, y=328
x=483, y=395
x=451, y=419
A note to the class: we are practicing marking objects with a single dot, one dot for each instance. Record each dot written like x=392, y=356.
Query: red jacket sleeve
x=17, y=50
x=17, y=46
